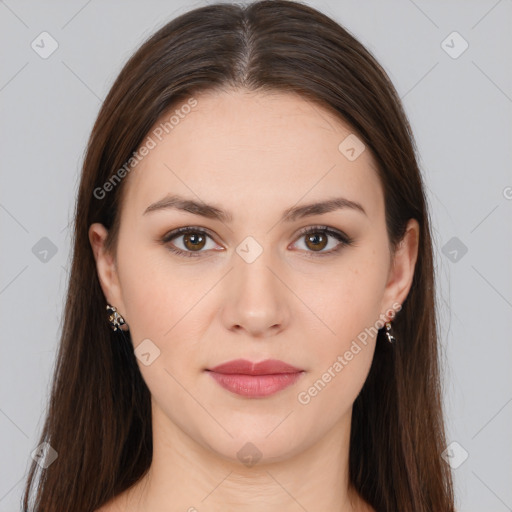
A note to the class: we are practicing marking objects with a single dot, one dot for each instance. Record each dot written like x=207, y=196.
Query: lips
x=244, y=367
x=255, y=380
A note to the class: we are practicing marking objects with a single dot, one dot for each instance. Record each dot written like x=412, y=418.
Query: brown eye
x=189, y=241
x=322, y=241
x=194, y=241
x=316, y=241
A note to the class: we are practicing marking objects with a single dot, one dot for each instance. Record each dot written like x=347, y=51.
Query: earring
x=389, y=334
x=114, y=318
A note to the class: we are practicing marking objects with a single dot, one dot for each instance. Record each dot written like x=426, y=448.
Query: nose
x=256, y=300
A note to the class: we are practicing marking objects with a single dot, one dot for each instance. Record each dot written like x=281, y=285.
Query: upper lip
x=244, y=367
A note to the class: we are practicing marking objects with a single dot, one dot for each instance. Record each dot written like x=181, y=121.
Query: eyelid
x=176, y=233
x=185, y=229
x=343, y=239
x=327, y=229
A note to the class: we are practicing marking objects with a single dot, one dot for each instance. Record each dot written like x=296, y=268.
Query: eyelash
x=338, y=235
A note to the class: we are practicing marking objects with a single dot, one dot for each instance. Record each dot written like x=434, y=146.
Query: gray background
x=460, y=110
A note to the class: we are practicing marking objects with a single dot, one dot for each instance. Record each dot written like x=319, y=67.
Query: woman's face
x=246, y=283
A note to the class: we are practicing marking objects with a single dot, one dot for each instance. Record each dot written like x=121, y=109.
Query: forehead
x=250, y=151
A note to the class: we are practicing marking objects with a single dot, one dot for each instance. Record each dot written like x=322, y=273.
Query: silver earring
x=389, y=334
x=114, y=318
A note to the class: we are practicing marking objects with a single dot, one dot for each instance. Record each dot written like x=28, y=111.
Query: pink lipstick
x=255, y=380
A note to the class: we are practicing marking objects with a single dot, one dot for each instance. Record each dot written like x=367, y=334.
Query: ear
x=401, y=273
x=106, y=267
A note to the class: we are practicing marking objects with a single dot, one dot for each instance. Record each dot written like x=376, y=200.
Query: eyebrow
x=289, y=215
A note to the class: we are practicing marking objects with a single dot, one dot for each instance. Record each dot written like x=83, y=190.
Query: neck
x=187, y=476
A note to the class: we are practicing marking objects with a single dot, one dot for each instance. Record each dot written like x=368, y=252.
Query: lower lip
x=255, y=386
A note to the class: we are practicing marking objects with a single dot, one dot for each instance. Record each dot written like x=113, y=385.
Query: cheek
x=166, y=304
x=346, y=300
x=163, y=306
x=341, y=358
x=333, y=302
x=330, y=392
x=329, y=309
x=146, y=287
x=346, y=323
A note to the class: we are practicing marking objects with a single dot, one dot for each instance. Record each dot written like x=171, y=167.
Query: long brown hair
x=99, y=414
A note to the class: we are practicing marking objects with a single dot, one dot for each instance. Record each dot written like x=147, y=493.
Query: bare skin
x=254, y=155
